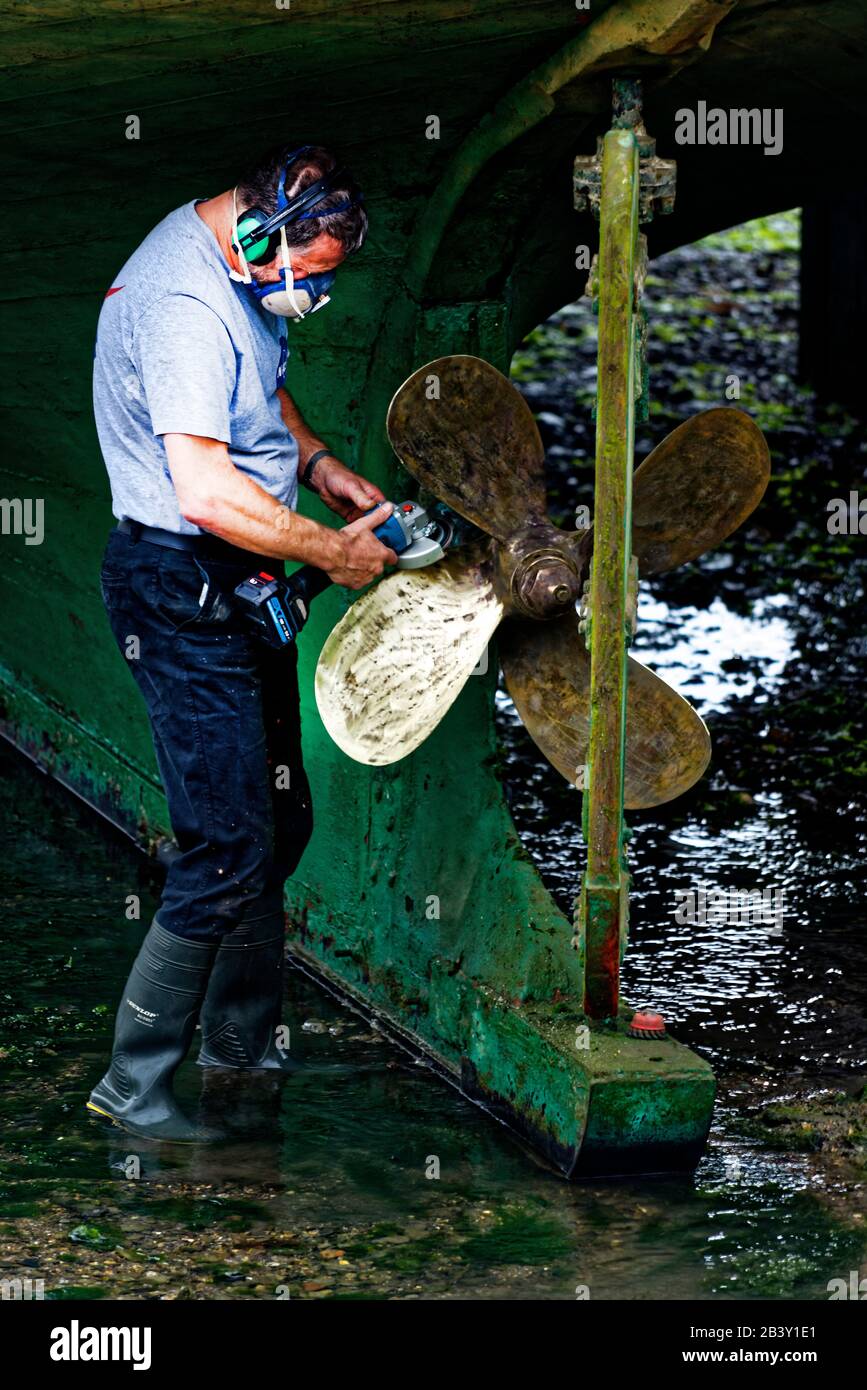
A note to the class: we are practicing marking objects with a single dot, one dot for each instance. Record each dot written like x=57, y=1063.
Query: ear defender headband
x=258, y=233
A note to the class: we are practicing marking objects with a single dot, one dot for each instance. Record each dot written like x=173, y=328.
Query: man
x=205, y=448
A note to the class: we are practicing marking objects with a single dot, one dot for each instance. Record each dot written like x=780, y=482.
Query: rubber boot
x=243, y=1006
x=155, y=1025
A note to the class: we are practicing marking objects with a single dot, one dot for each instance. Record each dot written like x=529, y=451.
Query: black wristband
x=311, y=464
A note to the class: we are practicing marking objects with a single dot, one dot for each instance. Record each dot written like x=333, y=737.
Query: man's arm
x=213, y=494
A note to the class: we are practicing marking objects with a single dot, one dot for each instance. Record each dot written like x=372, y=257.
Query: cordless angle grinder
x=280, y=607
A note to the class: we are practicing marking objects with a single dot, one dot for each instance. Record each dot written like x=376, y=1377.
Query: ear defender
x=263, y=250
x=259, y=251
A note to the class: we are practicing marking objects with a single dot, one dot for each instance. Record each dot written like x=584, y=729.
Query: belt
x=205, y=547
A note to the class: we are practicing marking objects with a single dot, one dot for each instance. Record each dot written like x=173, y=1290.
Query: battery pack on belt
x=279, y=608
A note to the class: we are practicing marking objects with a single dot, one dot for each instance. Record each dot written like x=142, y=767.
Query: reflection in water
x=713, y=655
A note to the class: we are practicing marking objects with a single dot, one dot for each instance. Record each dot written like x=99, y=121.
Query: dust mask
x=287, y=297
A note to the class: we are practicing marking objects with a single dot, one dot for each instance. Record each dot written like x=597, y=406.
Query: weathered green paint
x=603, y=888
x=472, y=243
x=77, y=755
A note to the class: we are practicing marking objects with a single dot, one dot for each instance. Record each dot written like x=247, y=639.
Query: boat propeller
x=400, y=656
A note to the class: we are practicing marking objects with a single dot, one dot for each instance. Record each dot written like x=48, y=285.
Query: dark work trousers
x=223, y=710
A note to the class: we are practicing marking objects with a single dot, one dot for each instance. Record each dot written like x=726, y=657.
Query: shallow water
x=334, y=1201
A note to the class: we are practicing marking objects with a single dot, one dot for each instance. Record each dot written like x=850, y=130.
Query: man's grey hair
x=258, y=188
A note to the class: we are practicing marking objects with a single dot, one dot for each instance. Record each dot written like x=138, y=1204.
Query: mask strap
x=288, y=277
x=246, y=278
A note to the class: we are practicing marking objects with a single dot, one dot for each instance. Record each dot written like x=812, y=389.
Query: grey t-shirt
x=181, y=348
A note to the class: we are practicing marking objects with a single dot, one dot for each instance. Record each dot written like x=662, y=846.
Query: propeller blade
x=400, y=656
x=475, y=447
x=697, y=487
x=547, y=670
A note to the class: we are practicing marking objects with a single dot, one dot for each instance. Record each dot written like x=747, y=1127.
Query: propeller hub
x=540, y=570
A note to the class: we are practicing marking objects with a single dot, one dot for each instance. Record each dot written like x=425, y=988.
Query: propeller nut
x=544, y=585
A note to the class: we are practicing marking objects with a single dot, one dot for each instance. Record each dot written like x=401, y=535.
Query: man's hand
x=345, y=492
x=364, y=556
